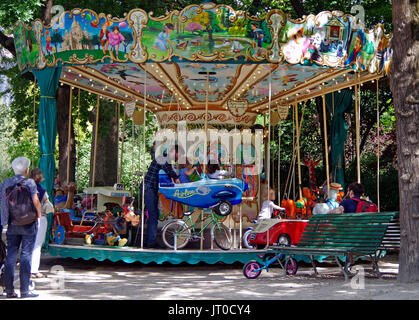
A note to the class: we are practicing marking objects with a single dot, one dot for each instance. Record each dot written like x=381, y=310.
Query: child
x=268, y=206
x=163, y=38
x=186, y=170
x=214, y=171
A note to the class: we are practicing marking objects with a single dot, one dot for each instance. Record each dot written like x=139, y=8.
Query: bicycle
x=253, y=268
x=178, y=233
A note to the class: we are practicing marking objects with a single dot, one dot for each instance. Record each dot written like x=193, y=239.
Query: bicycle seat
x=188, y=213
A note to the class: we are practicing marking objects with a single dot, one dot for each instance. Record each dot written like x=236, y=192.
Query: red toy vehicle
x=280, y=232
x=63, y=226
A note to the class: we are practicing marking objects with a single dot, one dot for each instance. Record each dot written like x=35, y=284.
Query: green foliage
x=12, y=11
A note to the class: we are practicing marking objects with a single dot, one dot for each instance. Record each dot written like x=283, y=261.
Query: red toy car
x=281, y=232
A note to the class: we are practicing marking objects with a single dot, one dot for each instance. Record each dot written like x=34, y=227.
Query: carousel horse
x=311, y=165
x=331, y=203
x=65, y=197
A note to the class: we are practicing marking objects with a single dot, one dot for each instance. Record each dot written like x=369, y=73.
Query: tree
x=128, y=39
x=404, y=85
x=56, y=40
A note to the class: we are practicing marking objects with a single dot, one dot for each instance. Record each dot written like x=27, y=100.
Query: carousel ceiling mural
x=205, y=56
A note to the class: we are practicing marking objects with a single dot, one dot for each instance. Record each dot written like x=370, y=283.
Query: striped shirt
x=152, y=177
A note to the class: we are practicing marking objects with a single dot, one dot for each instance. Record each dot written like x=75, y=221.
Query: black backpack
x=22, y=211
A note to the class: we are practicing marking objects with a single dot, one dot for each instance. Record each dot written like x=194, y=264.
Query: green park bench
x=341, y=236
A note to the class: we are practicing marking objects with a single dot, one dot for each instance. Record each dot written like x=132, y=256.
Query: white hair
x=20, y=165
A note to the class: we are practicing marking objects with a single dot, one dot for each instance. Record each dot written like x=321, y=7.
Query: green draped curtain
x=338, y=103
x=48, y=80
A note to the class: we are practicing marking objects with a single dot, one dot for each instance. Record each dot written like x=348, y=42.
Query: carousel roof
x=206, y=55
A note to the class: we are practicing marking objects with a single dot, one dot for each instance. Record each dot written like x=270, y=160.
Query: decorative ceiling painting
x=207, y=62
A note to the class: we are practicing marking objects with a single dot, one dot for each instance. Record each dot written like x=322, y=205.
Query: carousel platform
x=159, y=256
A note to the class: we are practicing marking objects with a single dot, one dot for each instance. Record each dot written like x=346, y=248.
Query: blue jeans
x=17, y=236
x=151, y=201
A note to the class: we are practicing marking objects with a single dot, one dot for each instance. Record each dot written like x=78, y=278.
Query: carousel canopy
x=205, y=57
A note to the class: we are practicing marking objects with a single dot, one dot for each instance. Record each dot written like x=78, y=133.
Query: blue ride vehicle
x=218, y=194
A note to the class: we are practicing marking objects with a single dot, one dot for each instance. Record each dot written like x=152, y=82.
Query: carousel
x=207, y=67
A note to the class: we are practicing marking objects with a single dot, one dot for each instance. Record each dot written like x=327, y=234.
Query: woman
x=46, y=207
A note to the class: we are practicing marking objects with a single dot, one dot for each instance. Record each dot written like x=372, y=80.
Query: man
x=151, y=186
x=19, y=235
x=355, y=191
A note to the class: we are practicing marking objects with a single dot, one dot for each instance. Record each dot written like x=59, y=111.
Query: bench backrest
x=391, y=240
x=358, y=232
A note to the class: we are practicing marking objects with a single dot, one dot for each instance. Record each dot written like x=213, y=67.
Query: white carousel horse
x=330, y=204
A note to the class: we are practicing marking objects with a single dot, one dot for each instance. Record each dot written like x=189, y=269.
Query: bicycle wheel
x=222, y=236
x=251, y=269
x=178, y=229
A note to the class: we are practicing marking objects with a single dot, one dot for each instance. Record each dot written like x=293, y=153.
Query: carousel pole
x=118, y=109
x=144, y=172
x=378, y=151
x=77, y=131
x=69, y=134
x=298, y=150
x=95, y=150
x=122, y=146
x=279, y=162
x=326, y=147
x=357, y=118
x=294, y=146
x=268, y=149
x=205, y=151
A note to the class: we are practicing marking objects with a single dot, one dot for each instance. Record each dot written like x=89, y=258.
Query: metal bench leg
x=375, y=268
x=345, y=268
x=314, y=266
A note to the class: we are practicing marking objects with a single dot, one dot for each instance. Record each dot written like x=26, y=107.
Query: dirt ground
x=70, y=279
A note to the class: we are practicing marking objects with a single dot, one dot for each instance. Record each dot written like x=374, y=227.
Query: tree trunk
x=404, y=85
x=63, y=103
x=106, y=169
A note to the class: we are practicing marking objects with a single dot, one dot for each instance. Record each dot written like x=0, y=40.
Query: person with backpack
x=353, y=202
x=21, y=212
